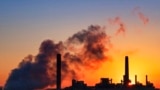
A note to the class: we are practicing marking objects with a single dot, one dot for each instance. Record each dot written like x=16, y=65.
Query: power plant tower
x=146, y=79
x=126, y=80
x=135, y=79
x=58, y=72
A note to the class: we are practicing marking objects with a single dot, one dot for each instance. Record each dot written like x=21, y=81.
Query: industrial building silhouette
x=105, y=83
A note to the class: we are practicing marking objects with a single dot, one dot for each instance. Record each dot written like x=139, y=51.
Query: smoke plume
x=118, y=21
x=141, y=16
x=86, y=49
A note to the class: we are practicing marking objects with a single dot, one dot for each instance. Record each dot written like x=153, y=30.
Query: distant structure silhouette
x=135, y=79
x=106, y=83
x=58, y=71
x=126, y=80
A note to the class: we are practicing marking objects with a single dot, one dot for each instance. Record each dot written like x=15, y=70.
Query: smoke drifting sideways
x=86, y=49
x=141, y=16
x=118, y=21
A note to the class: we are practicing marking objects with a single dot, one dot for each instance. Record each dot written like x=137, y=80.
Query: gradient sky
x=24, y=24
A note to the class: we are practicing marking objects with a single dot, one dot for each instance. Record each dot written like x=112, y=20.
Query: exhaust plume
x=141, y=16
x=118, y=21
x=86, y=49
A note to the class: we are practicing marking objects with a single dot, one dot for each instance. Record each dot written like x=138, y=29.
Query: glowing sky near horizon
x=25, y=24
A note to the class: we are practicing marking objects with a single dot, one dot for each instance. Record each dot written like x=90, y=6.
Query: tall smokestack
x=146, y=79
x=126, y=68
x=126, y=76
x=58, y=71
x=135, y=79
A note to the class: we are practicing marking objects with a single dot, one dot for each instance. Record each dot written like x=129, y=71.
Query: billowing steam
x=118, y=21
x=141, y=16
x=85, y=49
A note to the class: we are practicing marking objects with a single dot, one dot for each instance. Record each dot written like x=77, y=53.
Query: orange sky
x=24, y=25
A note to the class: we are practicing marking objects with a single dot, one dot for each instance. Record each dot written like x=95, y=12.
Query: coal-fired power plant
x=126, y=76
x=58, y=71
x=85, y=50
x=107, y=84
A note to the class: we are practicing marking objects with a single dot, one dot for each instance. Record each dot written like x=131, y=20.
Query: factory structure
x=105, y=83
x=58, y=72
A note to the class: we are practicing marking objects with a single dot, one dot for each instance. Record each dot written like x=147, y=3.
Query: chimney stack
x=135, y=79
x=126, y=76
x=146, y=79
x=58, y=71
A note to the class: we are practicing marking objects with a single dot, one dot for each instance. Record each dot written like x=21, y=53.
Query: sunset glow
x=93, y=36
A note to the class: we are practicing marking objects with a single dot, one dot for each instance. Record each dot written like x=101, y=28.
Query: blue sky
x=57, y=13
